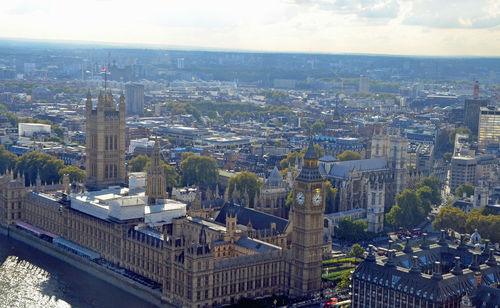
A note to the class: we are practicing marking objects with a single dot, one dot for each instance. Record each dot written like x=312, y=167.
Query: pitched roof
x=342, y=169
x=259, y=220
x=275, y=179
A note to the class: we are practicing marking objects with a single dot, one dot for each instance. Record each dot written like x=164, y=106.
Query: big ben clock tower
x=307, y=231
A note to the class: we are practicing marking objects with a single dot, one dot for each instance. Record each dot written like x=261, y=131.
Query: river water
x=30, y=278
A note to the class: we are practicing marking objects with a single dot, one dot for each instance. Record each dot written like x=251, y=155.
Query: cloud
x=454, y=14
x=383, y=9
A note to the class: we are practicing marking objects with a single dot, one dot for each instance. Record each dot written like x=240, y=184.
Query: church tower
x=105, y=142
x=156, y=186
x=307, y=231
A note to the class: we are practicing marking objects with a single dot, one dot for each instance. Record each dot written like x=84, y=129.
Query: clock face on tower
x=317, y=199
x=300, y=198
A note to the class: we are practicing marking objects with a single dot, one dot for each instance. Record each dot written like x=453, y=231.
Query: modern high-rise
x=471, y=110
x=489, y=126
x=105, y=142
x=364, y=83
x=134, y=98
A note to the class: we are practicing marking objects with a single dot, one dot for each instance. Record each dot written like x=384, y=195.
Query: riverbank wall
x=143, y=292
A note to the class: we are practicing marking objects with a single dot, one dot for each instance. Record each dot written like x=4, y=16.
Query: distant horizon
x=432, y=28
x=61, y=43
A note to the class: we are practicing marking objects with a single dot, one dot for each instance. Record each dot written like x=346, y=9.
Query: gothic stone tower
x=105, y=142
x=307, y=232
x=156, y=186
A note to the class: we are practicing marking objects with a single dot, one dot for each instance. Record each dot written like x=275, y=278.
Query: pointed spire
x=415, y=268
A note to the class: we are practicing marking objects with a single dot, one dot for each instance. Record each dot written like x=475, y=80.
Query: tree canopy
x=317, y=126
x=138, y=163
x=31, y=163
x=453, y=218
x=433, y=183
x=349, y=155
x=467, y=189
x=198, y=170
x=331, y=193
x=357, y=251
x=351, y=230
x=170, y=176
x=8, y=160
x=408, y=210
x=245, y=181
x=75, y=174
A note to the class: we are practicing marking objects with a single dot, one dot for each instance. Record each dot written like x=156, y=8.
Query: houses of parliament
x=195, y=262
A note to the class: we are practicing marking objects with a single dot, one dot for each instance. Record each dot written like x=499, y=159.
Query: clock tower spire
x=307, y=230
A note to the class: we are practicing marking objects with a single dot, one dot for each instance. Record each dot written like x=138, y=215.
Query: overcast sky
x=420, y=27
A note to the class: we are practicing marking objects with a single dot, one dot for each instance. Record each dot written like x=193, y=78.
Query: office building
x=134, y=99
x=489, y=126
x=364, y=83
x=432, y=275
x=472, y=110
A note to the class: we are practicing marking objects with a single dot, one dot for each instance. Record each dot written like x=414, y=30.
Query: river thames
x=30, y=278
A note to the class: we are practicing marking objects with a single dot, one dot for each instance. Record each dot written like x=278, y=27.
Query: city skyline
x=426, y=28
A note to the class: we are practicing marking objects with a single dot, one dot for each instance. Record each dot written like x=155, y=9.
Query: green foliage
x=317, y=148
x=198, y=170
x=289, y=199
x=408, y=210
x=349, y=155
x=138, y=163
x=454, y=218
x=331, y=193
x=185, y=155
x=467, y=189
x=338, y=262
x=75, y=174
x=8, y=160
x=435, y=187
x=30, y=164
x=316, y=127
x=14, y=120
x=58, y=131
x=337, y=275
x=351, y=230
x=290, y=159
x=274, y=95
x=450, y=217
x=460, y=130
x=170, y=176
x=345, y=281
x=229, y=110
x=424, y=193
x=357, y=251
x=447, y=156
x=245, y=181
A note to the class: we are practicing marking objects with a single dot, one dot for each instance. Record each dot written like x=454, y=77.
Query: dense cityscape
x=192, y=178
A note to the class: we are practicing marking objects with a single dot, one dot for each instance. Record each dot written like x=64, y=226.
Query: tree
x=30, y=164
x=170, y=176
x=450, y=217
x=357, y=251
x=75, y=174
x=349, y=155
x=290, y=159
x=245, y=181
x=351, y=230
x=459, y=130
x=317, y=126
x=467, y=189
x=138, y=163
x=345, y=282
x=331, y=193
x=8, y=160
x=289, y=199
x=317, y=148
x=408, y=210
x=185, y=155
x=198, y=170
x=433, y=183
x=424, y=193
x=447, y=156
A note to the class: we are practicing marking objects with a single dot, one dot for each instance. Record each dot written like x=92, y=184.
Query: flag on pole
x=103, y=68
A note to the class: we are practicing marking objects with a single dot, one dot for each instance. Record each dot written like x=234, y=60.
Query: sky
x=400, y=27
